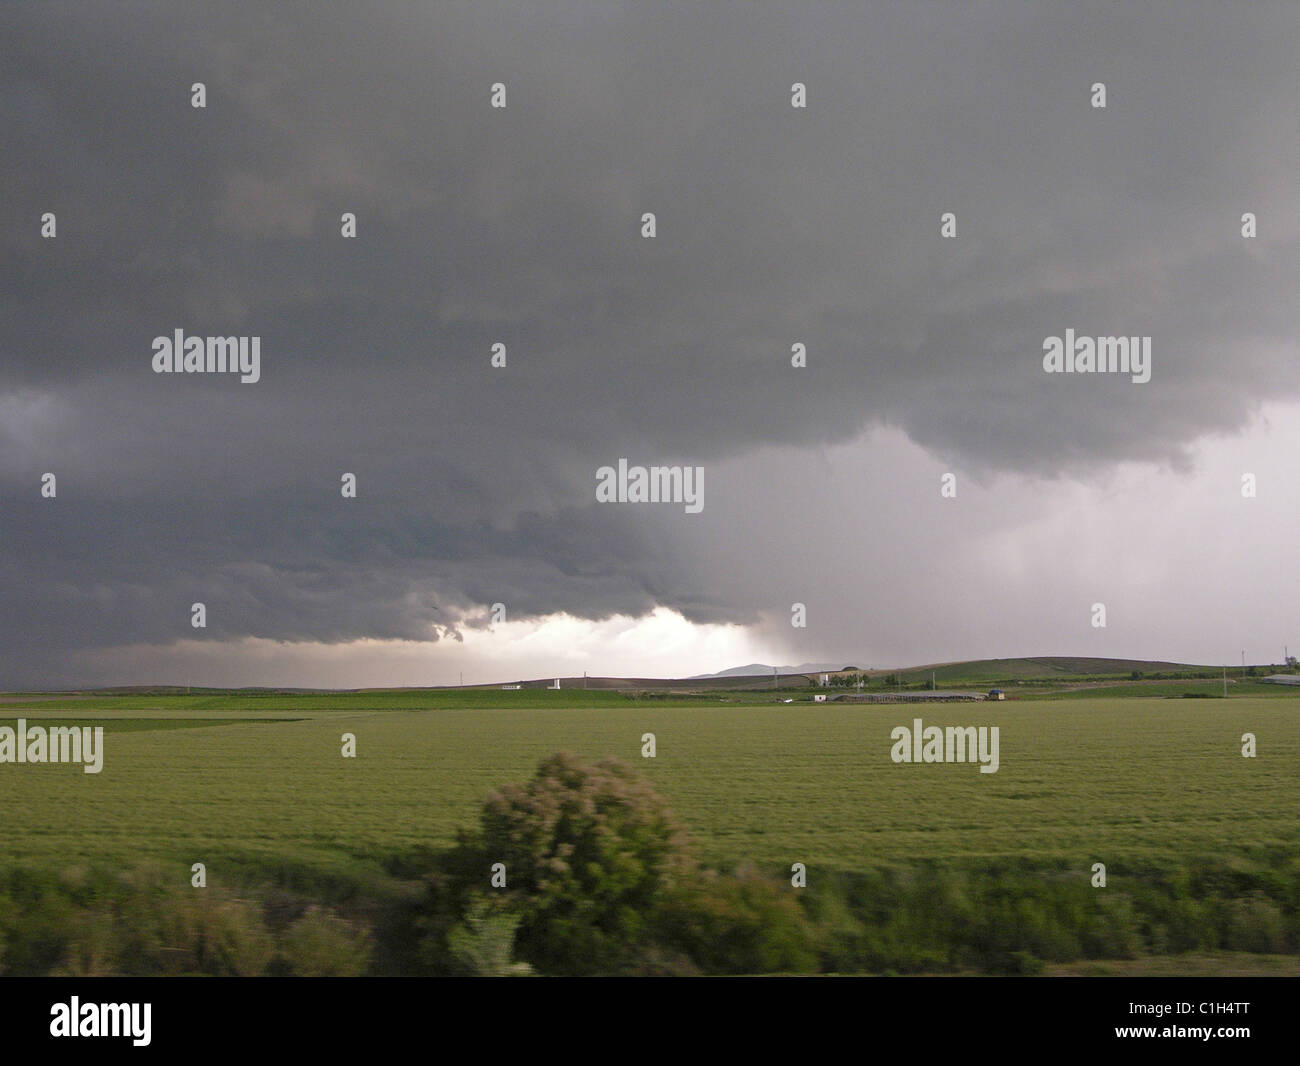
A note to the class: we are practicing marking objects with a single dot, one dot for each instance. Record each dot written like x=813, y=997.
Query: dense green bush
x=739, y=924
x=588, y=850
x=321, y=944
x=483, y=943
x=145, y=923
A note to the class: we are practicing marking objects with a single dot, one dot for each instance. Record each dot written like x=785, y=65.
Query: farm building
x=929, y=696
x=997, y=694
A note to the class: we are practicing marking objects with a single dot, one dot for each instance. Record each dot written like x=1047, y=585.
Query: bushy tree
x=588, y=850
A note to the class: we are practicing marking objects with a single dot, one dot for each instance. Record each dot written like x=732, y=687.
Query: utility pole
x=1225, y=679
x=932, y=684
x=1243, y=664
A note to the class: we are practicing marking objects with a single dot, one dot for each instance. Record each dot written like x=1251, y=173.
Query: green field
x=189, y=779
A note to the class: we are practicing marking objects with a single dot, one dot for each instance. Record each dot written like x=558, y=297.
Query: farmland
x=259, y=780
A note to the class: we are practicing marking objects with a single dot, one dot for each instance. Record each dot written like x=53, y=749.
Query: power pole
x=1225, y=679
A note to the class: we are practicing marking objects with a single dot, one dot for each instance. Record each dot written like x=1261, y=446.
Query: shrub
x=588, y=848
x=483, y=943
x=743, y=924
x=321, y=944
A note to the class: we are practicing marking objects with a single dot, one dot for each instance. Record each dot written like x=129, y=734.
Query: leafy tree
x=588, y=849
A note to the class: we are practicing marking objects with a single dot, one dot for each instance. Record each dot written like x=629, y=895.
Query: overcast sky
x=522, y=225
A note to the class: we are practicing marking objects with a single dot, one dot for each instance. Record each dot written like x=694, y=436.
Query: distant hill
x=1044, y=672
x=754, y=669
x=1025, y=669
x=1043, y=668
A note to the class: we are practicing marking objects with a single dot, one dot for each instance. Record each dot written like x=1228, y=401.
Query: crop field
x=261, y=780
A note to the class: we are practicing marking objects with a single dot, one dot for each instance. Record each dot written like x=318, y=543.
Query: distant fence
x=912, y=697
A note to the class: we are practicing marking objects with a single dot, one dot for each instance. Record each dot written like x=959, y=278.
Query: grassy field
x=1117, y=780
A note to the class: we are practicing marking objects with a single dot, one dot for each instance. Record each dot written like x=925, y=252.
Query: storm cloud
x=522, y=226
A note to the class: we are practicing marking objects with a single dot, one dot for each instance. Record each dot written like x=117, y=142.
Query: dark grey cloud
x=521, y=226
